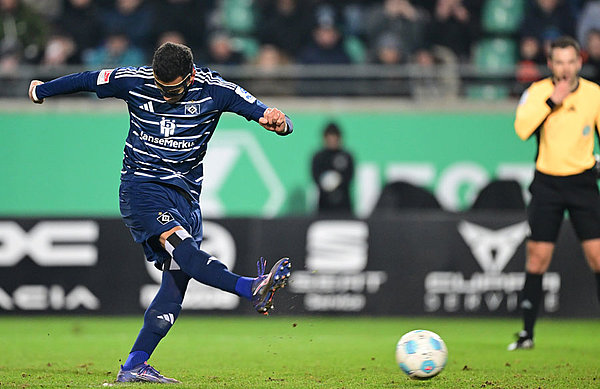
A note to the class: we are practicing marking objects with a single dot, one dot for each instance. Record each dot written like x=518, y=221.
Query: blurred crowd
x=275, y=32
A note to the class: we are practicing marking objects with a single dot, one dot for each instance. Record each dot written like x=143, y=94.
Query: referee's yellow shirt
x=566, y=131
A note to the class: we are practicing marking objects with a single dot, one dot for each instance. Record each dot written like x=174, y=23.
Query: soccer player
x=563, y=111
x=174, y=107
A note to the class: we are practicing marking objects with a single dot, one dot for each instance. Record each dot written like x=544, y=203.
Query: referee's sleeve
x=531, y=112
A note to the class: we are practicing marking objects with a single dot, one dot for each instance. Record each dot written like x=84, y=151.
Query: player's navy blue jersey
x=166, y=142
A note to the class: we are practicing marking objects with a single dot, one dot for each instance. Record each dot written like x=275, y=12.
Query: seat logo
x=50, y=243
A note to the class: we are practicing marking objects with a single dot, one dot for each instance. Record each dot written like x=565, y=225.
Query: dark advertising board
x=426, y=263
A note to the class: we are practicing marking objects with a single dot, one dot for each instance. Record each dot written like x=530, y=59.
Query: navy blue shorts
x=149, y=209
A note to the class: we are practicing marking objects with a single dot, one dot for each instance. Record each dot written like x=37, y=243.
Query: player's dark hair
x=562, y=43
x=172, y=60
x=332, y=129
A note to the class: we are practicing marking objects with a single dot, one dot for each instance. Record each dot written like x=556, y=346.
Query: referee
x=563, y=112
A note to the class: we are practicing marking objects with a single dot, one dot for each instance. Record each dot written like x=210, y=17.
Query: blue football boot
x=143, y=373
x=265, y=285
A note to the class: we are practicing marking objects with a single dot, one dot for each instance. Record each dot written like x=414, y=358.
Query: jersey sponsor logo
x=104, y=76
x=245, y=94
x=192, y=109
x=175, y=144
x=167, y=127
x=164, y=218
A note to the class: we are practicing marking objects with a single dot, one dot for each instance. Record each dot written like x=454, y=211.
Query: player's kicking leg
x=210, y=271
x=265, y=285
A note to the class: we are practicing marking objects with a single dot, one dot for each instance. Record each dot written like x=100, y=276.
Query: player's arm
x=100, y=81
x=233, y=98
x=77, y=82
x=534, y=107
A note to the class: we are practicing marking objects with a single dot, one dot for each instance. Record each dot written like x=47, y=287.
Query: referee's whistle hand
x=562, y=88
x=32, y=95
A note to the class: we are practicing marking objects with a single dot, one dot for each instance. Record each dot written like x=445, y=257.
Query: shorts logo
x=164, y=218
x=104, y=76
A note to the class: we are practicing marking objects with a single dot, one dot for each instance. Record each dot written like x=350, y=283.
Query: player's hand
x=562, y=88
x=32, y=86
x=273, y=120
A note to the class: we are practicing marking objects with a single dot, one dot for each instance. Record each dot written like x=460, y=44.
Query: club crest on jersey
x=104, y=76
x=167, y=127
x=192, y=109
x=245, y=94
x=164, y=218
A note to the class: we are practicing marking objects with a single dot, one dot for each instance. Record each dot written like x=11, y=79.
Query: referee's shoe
x=524, y=342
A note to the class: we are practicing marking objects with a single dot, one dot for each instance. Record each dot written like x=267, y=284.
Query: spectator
x=221, y=51
x=436, y=74
x=270, y=57
x=48, y=9
x=531, y=58
x=80, y=21
x=401, y=18
x=116, y=51
x=189, y=17
x=388, y=50
x=547, y=20
x=134, y=19
x=284, y=24
x=170, y=36
x=60, y=50
x=326, y=48
x=332, y=171
x=268, y=60
x=592, y=46
x=589, y=19
x=22, y=34
x=452, y=26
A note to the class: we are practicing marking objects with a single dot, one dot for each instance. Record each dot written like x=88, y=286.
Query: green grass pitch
x=296, y=352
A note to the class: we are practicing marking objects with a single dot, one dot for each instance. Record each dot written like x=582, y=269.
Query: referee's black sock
x=598, y=285
x=532, y=297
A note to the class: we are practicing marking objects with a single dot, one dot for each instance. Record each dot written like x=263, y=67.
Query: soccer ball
x=421, y=354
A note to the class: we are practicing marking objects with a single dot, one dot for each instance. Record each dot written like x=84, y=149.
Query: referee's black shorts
x=552, y=195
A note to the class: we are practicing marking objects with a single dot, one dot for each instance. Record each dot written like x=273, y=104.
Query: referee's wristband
x=550, y=103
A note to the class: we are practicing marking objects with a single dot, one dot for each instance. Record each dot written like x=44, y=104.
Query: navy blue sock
x=243, y=287
x=162, y=312
x=198, y=264
x=135, y=358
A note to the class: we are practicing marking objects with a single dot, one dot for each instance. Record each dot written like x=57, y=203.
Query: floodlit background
x=423, y=91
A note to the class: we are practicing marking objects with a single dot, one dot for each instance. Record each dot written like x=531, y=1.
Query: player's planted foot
x=524, y=342
x=144, y=373
x=265, y=285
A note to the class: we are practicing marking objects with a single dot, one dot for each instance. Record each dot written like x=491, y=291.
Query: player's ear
x=193, y=75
